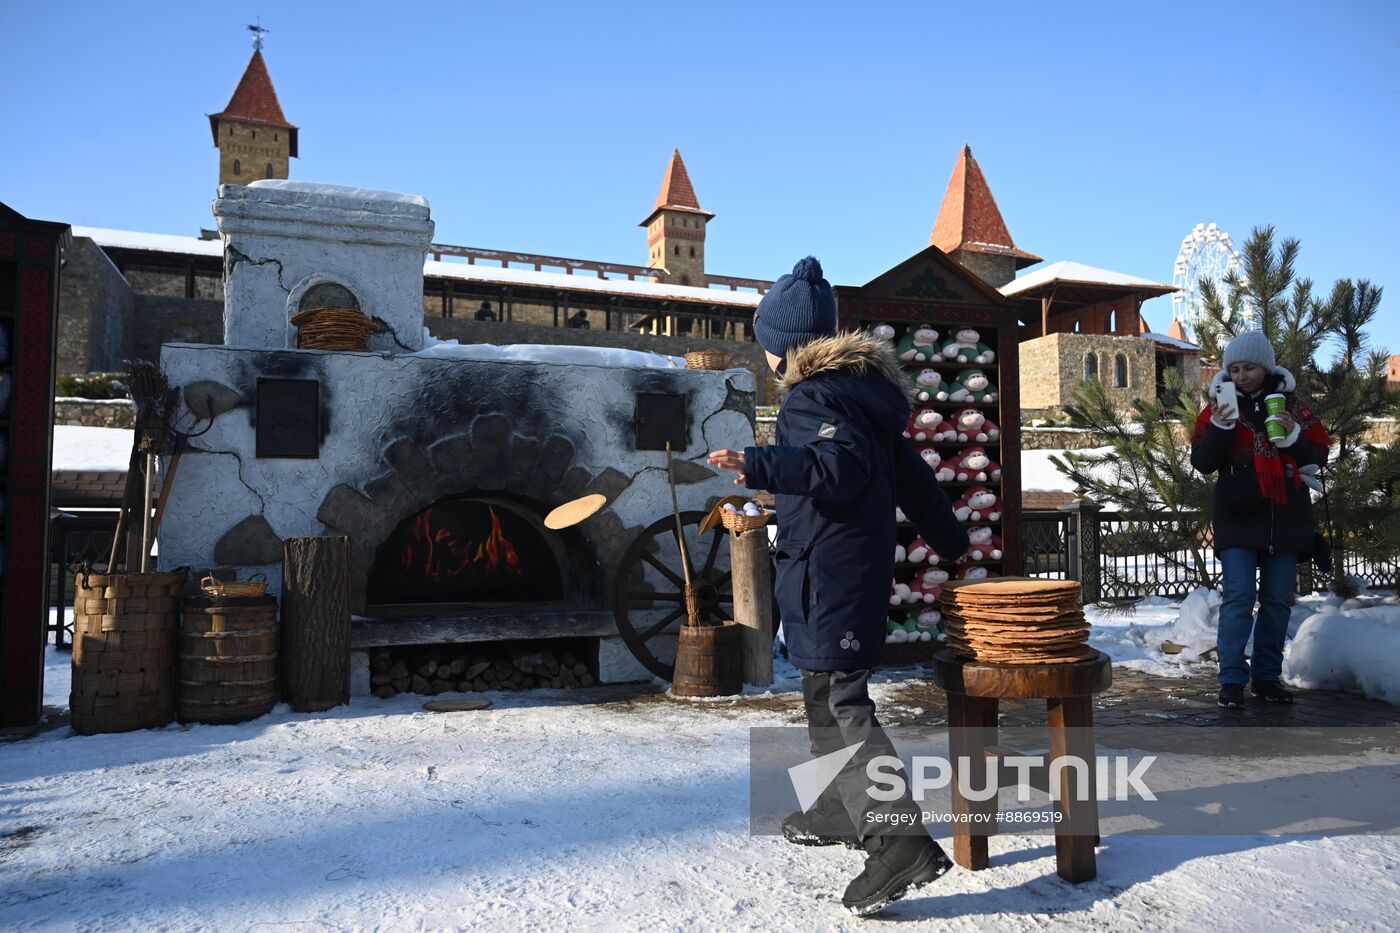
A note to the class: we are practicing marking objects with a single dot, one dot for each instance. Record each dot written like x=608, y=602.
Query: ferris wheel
x=1207, y=254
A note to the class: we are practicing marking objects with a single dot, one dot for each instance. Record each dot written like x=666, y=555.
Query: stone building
x=252, y=134
x=1053, y=364
x=970, y=228
x=1078, y=322
x=676, y=228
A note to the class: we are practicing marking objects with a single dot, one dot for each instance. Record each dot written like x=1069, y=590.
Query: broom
x=692, y=598
x=155, y=401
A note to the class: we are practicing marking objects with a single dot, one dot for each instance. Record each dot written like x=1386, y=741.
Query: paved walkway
x=1137, y=699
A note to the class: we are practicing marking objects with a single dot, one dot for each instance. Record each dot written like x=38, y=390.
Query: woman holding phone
x=1255, y=435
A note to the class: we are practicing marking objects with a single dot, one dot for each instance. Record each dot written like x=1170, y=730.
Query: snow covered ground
x=545, y=812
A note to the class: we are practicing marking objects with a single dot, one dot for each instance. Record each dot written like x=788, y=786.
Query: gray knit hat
x=1250, y=346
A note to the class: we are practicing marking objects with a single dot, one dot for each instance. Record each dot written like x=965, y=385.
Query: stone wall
x=172, y=284
x=95, y=307
x=94, y=413
x=256, y=149
x=996, y=271
x=160, y=319
x=1052, y=365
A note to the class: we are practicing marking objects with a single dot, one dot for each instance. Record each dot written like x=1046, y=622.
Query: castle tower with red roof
x=253, y=136
x=970, y=228
x=676, y=228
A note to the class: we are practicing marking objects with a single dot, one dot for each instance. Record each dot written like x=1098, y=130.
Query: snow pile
x=92, y=449
x=1352, y=646
x=1135, y=637
x=545, y=353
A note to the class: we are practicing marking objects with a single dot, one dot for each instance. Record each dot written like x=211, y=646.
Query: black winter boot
x=1272, y=692
x=824, y=825
x=894, y=866
x=1231, y=696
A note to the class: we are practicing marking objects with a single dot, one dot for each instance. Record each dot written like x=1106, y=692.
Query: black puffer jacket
x=1242, y=515
x=840, y=467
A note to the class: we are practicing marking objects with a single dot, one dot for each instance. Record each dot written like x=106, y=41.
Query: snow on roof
x=169, y=243
x=504, y=276
x=155, y=242
x=98, y=450
x=1066, y=271
x=1169, y=341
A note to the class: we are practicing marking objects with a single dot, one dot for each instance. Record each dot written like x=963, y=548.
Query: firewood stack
x=465, y=668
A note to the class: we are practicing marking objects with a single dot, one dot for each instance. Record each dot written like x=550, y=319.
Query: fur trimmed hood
x=854, y=351
x=1286, y=381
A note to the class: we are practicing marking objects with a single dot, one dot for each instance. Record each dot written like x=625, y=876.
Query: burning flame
x=439, y=555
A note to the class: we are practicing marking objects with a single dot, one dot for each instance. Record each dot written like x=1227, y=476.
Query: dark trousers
x=840, y=713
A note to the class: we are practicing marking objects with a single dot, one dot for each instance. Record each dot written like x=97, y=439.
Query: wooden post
x=316, y=622
x=753, y=603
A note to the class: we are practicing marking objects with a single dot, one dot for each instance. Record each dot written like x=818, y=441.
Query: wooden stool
x=973, y=690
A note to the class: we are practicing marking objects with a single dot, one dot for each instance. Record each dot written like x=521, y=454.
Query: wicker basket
x=738, y=522
x=707, y=359
x=333, y=329
x=124, y=651
x=254, y=586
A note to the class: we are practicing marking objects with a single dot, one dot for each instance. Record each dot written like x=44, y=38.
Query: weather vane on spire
x=258, y=32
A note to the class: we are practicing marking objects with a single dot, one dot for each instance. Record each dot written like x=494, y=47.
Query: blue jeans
x=1277, y=576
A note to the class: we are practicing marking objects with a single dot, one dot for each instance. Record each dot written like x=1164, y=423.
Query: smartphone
x=1226, y=396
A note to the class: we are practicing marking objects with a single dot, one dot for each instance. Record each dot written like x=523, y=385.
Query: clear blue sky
x=1106, y=130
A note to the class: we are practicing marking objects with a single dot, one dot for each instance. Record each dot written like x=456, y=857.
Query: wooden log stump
x=316, y=622
x=753, y=603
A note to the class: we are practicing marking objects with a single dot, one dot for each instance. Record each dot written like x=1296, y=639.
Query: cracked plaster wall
x=400, y=432
x=283, y=238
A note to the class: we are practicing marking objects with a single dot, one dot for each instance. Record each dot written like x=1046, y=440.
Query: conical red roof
x=969, y=218
x=255, y=101
x=677, y=193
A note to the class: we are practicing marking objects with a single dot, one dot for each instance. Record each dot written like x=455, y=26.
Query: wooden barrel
x=709, y=661
x=124, y=651
x=228, y=659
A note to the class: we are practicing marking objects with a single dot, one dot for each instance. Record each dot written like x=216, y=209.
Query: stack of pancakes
x=1016, y=620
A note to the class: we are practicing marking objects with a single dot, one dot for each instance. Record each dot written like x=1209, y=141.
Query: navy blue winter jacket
x=840, y=465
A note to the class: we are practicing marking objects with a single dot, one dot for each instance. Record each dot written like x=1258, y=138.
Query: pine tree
x=1146, y=470
x=1145, y=473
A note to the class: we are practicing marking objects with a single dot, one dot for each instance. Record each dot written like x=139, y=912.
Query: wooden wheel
x=649, y=588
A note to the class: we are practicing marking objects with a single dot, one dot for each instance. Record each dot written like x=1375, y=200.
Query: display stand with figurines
x=957, y=339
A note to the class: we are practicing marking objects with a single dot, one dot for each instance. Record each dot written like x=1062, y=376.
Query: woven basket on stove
x=707, y=359
x=333, y=329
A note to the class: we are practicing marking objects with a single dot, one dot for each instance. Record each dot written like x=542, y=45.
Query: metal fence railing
x=1122, y=557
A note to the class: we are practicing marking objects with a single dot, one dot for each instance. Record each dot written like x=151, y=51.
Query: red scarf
x=1273, y=467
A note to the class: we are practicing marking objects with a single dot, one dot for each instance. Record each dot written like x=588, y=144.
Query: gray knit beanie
x=1250, y=346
